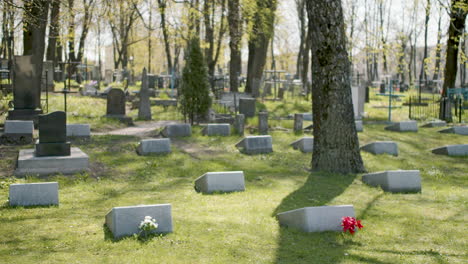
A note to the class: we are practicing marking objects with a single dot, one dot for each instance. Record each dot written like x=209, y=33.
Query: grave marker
x=228, y=181
x=381, y=147
x=255, y=145
x=33, y=194
x=395, y=181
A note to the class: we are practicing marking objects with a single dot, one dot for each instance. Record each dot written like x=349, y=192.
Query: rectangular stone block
x=359, y=126
x=316, y=219
x=79, y=130
x=381, y=147
x=31, y=194
x=124, y=221
x=247, y=107
x=154, y=146
x=255, y=145
x=29, y=164
x=217, y=130
x=405, y=126
x=437, y=123
x=307, y=116
x=452, y=150
x=52, y=149
x=395, y=181
x=305, y=144
x=227, y=181
x=177, y=130
x=459, y=130
x=19, y=127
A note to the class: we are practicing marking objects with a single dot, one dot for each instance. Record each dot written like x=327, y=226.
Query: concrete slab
x=217, y=130
x=436, y=123
x=226, y=181
x=78, y=131
x=305, y=144
x=395, y=181
x=154, y=146
x=177, y=130
x=359, y=125
x=405, y=126
x=381, y=147
x=19, y=127
x=255, y=145
x=459, y=130
x=33, y=194
x=452, y=150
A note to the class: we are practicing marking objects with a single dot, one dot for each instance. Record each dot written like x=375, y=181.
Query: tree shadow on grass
x=295, y=246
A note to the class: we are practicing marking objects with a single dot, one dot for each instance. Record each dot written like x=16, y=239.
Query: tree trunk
x=438, y=47
x=336, y=145
x=300, y=5
x=53, y=32
x=235, y=34
x=167, y=46
x=262, y=29
x=456, y=29
x=305, y=63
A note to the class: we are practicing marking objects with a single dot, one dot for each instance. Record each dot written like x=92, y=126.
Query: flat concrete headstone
x=227, y=181
x=154, y=146
x=452, y=150
x=437, y=123
x=381, y=147
x=247, y=107
x=305, y=144
x=255, y=145
x=307, y=116
x=395, y=181
x=405, y=126
x=177, y=130
x=316, y=219
x=29, y=164
x=19, y=127
x=459, y=130
x=124, y=221
x=359, y=126
x=78, y=130
x=53, y=135
x=115, y=102
x=298, y=120
x=31, y=194
x=263, y=123
x=239, y=123
x=217, y=130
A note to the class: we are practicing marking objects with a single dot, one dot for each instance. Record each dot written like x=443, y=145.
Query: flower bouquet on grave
x=350, y=223
x=147, y=226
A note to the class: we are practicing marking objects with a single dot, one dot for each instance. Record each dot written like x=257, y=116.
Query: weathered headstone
x=79, y=131
x=239, y=124
x=395, y=181
x=437, y=123
x=381, y=147
x=217, y=130
x=405, y=126
x=359, y=126
x=459, y=130
x=255, y=145
x=316, y=219
x=116, y=106
x=305, y=144
x=298, y=120
x=18, y=132
x=452, y=150
x=33, y=194
x=154, y=146
x=177, y=130
x=26, y=92
x=307, y=116
x=263, y=123
x=144, y=111
x=151, y=81
x=124, y=221
x=53, y=135
x=48, y=76
x=247, y=107
x=108, y=76
x=227, y=181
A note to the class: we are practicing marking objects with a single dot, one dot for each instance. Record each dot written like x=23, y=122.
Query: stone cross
x=144, y=111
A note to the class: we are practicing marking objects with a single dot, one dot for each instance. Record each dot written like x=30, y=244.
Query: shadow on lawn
x=295, y=246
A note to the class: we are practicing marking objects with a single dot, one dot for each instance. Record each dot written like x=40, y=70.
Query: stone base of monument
x=305, y=144
x=452, y=150
x=25, y=114
x=405, y=126
x=395, y=181
x=359, y=126
x=226, y=181
x=29, y=164
x=316, y=219
x=18, y=132
x=459, y=130
x=33, y=194
x=154, y=146
x=255, y=145
x=177, y=130
x=217, y=130
x=381, y=147
x=122, y=118
x=52, y=149
x=437, y=123
x=16, y=139
x=124, y=221
x=78, y=131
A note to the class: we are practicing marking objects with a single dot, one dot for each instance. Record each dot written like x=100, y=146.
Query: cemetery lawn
x=427, y=227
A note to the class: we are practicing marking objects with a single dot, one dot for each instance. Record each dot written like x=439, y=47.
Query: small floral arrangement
x=147, y=225
x=350, y=223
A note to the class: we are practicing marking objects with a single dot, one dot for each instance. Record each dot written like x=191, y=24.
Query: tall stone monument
x=26, y=93
x=144, y=110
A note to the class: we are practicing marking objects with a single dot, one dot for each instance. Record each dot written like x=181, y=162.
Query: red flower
x=350, y=223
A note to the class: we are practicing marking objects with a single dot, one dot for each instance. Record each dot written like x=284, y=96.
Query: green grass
x=240, y=227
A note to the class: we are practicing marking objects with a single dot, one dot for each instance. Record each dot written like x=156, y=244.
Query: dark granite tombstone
x=53, y=135
x=26, y=93
x=152, y=81
x=247, y=107
x=116, y=102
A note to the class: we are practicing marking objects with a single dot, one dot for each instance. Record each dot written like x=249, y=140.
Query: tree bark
x=336, y=145
x=235, y=34
x=53, y=32
x=167, y=46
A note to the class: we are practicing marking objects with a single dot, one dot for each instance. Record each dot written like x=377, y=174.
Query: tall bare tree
x=235, y=34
